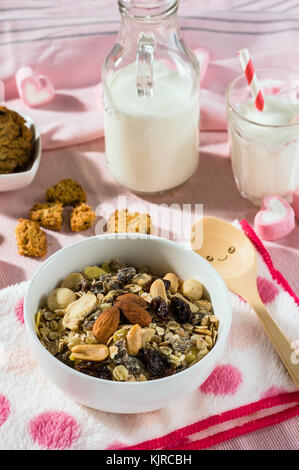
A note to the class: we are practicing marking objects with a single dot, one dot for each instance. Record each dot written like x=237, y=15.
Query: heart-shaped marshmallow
x=34, y=90
x=275, y=220
x=296, y=202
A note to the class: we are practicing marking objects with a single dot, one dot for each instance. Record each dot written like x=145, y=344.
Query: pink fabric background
x=67, y=42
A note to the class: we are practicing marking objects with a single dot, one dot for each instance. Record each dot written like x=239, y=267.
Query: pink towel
x=249, y=388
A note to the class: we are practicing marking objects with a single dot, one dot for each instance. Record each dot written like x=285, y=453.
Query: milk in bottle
x=151, y=99
x=152, y=143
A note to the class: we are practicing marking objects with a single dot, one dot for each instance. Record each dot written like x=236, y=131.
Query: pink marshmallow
x=275, y=220
x=296, y=202
x=34, y=90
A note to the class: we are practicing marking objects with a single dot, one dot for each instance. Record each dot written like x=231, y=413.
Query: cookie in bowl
x=20, y=150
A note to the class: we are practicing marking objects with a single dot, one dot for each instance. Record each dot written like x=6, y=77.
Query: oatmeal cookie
x=67, y=191
x=131, y=222
x=82, y=217
x=16, y=141
x=31, y=240
x=48, y=214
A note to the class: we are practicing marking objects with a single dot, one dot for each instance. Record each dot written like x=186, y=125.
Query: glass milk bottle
x=151, y=99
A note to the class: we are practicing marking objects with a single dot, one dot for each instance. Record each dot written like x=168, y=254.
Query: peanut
x=134, y=340
x=158, y=290
x=174, y=282
x=90, y=352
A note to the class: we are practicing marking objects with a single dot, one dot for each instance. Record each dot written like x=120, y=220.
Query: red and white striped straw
x=251, y=78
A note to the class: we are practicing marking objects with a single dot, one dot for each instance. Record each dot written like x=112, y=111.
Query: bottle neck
x=148, y=11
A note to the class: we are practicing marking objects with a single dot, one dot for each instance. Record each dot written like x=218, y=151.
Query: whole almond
x=131, y=297
x=134, y=340
x=158, y=289
x=132, y=308
x=174, y=282
x=90, y=352
x=106, y=324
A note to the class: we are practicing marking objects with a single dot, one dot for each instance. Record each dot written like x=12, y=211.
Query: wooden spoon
x=234, y=257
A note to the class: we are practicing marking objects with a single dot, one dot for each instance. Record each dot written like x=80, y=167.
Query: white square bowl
x=18, y=180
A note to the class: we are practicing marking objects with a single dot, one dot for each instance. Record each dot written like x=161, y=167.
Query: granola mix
x=122, y=323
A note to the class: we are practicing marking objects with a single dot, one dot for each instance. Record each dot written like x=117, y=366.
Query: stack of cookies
x=16, y=141
x=31, y=240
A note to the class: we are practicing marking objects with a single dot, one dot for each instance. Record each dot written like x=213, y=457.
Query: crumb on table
x=67, y=191
x=82, y=217
x=31, y=240
x=48, y=214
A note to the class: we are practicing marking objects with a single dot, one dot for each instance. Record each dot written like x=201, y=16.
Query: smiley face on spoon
x=224, y=246
x=231, y=250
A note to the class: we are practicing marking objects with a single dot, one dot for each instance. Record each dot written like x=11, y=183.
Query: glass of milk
x=151, y=99
x=264, y=144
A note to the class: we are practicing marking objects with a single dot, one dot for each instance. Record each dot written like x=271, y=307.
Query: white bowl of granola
x=118, y=337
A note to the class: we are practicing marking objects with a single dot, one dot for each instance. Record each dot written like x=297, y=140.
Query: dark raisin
x=94, y=369
x=166, y=283
x=160, y=307
x=147, y=286
x=180, y=310
x=156, y=365
x=125, y=275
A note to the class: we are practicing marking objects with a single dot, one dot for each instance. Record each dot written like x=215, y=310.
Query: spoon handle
x=278, y=339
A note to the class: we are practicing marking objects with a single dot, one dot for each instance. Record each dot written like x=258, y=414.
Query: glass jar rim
x=155, y=9
x=231, y=107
